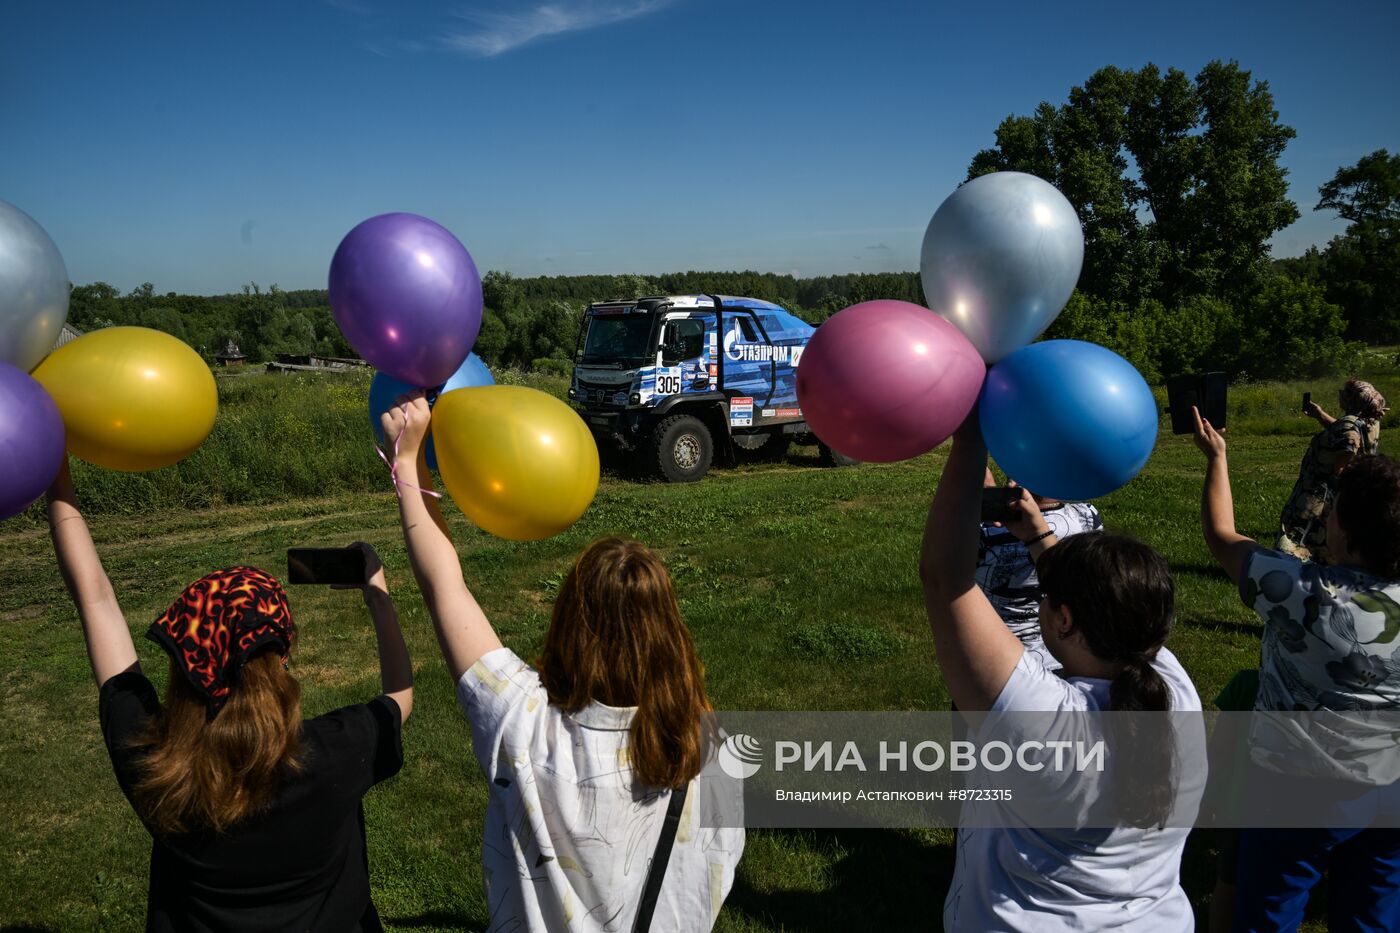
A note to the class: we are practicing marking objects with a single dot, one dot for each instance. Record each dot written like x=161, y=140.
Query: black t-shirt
x=298, y=865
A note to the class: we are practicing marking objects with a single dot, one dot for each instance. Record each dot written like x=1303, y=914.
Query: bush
x=552, y=366
x=1290, y=330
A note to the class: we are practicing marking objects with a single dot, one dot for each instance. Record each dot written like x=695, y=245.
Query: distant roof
x=67, y=335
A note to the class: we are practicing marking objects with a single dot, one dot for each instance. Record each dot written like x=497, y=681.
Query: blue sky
x=201, y=145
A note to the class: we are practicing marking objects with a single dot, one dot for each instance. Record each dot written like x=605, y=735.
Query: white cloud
x=495, y=33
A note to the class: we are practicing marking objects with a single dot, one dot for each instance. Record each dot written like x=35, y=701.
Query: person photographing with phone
x=255, y=814
x=1303, y=521
x=1017, y=525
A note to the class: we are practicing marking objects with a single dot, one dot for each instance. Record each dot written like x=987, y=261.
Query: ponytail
x=1121, y=597
x=1138, y=688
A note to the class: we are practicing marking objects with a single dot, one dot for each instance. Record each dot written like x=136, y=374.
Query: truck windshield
x=617, y=339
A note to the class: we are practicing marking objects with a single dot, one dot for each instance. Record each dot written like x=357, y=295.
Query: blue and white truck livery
x=677, y=380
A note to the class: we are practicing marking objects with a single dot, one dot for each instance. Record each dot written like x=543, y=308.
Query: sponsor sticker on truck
x=741, y=411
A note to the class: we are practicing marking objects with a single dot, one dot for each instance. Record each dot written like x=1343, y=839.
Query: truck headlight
x=573, y=393
x=634, y=399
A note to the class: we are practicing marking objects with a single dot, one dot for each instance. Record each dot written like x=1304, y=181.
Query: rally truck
x=674, y=382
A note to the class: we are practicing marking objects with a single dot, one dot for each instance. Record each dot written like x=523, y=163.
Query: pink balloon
x=887, y=380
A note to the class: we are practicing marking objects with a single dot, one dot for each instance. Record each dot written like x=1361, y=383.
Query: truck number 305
x=668, y=383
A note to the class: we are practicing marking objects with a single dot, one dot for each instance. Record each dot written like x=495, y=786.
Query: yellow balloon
x=518, y=462
x=132, y=398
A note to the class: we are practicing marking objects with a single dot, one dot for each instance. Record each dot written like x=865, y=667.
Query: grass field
x=798, y=582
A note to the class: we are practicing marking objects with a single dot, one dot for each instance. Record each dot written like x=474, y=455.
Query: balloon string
x=394, y=468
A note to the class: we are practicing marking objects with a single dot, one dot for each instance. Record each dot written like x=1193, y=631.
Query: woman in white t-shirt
x=1105, y=614
x=593, y=754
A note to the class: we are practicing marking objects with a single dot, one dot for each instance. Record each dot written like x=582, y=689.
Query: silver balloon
x=33, y=290
x=1000, y=259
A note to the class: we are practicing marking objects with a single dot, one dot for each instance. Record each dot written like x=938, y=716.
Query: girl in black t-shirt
x=255, y=815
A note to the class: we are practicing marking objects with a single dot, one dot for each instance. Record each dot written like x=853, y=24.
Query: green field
x=798, y=582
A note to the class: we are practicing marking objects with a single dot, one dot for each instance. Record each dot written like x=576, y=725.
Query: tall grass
x=307, y=435
x=275, y=438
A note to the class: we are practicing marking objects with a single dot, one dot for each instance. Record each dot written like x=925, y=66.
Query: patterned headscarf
x=1362, y=399
x=221, y=620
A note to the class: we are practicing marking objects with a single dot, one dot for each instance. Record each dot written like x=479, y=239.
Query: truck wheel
x=683, y=448
x=833, y=458
x=773, y=449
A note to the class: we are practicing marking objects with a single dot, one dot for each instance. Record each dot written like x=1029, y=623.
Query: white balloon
x=1001, y=257
x=33, y=290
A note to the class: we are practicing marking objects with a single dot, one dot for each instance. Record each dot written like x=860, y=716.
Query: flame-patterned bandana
x=218, y=622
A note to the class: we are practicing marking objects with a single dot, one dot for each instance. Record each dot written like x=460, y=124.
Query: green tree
x=1361, y=268
x=1176, y=181
x=1367, y=192
x=1291, y=328
x=491, y=341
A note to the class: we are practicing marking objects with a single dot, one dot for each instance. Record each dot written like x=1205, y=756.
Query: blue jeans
x=1278, y=868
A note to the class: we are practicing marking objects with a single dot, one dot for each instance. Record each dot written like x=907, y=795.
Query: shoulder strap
x=651, y=890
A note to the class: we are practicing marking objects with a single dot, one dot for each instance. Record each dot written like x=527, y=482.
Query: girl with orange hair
x=593, y=754
x=254, y=814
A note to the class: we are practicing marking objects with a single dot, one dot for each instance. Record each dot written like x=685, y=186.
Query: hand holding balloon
x=385, y=391
x=406, y=425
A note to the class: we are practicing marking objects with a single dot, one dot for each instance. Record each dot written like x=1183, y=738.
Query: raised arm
x=463, y=632
x=109, y=645
x=976, y=651
x=1229, y=548
x=395, y=667
x=1316, y=412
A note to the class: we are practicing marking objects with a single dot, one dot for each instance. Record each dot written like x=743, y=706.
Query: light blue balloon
x=1067, y=419
x=471, y=374
x=385, y=390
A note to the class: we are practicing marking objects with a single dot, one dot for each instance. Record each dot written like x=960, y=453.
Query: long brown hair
x=616, y=637
x=200, y=773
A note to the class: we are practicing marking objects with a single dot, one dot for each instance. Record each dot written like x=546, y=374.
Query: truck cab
x=677, y=380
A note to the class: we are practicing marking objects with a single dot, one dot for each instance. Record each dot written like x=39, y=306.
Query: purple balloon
x=32, y=442
x=407, y=297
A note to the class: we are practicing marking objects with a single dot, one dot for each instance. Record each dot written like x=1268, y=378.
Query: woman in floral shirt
x=1331, y=645
x=1303, y=523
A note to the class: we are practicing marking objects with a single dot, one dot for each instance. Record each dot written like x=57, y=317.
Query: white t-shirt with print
x=1006, y=573
x=1016, y=877
x=569, y=835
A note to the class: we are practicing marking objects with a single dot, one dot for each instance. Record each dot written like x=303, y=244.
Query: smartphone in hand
x=1307, y=400
x=997, y=502
x=1206, y=393
x=344, y=566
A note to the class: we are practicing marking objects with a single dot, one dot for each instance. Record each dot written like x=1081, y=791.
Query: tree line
x=1178, y=184
x=1176, y=180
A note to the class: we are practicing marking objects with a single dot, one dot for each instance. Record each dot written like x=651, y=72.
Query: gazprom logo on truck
x=738, y=351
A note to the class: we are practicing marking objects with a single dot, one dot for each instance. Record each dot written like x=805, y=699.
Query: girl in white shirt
x=585, y=753
x=1105, y=613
